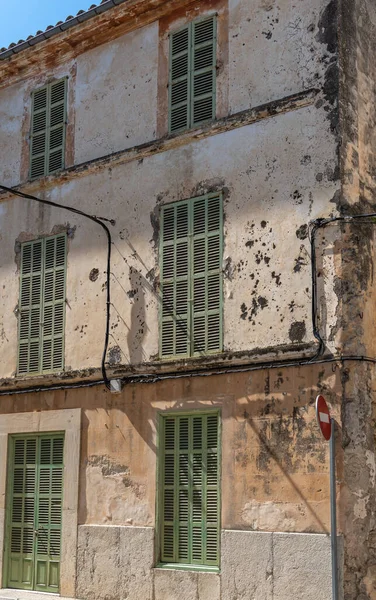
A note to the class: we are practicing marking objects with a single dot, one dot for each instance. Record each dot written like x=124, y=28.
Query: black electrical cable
x=315, y=328
x=99, y=221
x=152, y=378
x=316, y=225
x=207, y=372
x=52, y=388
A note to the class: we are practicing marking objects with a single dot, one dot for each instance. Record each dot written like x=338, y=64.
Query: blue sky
x=21, y=18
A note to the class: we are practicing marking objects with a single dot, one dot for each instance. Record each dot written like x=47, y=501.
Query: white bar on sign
x=324, y=418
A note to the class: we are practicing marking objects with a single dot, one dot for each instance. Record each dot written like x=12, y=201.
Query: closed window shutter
x=48, y=129
x=53, y=304
x=190, y=503
x=207, y=274
x=56, y=139
x=50, y=489
x=39, y=131
x=203, y=71
x=192, y=80
x=179, y=88
x=30, y=306
x=191, y=277
x=42, y=306
x=175, y=282
x=23, y=499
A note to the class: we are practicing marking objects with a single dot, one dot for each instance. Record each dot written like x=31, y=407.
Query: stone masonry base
x=118, y=562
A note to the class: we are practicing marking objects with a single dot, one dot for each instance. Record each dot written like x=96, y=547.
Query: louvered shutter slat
x=54, y=303
x=22, y=507
x=48, y=129
x=169, y=491
x=42, y=306
x=179, y=85
x=30, y=307
x=175, y=281
x=203, y=71
x=191, y=277
x=57, y=126
x=190, y=527
x=39, y=128
x=207, y=274
x=192, y=84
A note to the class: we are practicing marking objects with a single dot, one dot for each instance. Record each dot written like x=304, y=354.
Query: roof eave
x=49, y=33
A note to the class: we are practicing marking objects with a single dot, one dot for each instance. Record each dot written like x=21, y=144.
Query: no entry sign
x=323, y=417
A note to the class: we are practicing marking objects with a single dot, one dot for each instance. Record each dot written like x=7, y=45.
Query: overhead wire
x=317, y=358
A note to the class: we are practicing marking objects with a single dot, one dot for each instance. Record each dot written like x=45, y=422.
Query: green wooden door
x=34, y=513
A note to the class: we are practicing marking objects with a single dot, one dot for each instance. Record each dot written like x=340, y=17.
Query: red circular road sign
x=323, y=417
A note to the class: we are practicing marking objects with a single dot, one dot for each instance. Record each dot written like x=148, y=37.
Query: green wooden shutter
x=42, y=306
x=191, y=277
x=207, y=274
x=57, y=119
x=190, y=502
x=49, y=514
x=39, y=126
x=34, y=518
x=175, y=282
x=179, y=85
x=192, y=82
x=30, y=306
x=23, y=500
x=48, y=129
x=203, y=77
x=53, y=304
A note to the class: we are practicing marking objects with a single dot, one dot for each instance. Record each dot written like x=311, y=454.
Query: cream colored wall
x=116, y=95
x=264, y=176
x=276, y=175
x=11, y=114
x=273, y=50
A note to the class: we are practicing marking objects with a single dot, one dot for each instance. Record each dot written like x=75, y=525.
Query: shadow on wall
x=272, y=448
x=136, y=332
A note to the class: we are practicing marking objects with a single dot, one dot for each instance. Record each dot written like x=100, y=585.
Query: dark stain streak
x=297, y=331
x=94, y=274
x=302, y=232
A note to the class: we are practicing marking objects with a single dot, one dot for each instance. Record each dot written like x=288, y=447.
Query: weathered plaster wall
x=276, y=49
x=280, y=164
x=116, y=98
x=355, y=289
x=274, y=460
x=11, y=114
x=286, y=163
x=274, y=477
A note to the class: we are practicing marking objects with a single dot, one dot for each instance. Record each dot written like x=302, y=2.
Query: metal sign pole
x=333, y=513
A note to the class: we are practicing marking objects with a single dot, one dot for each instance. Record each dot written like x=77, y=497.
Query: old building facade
x=162, y=344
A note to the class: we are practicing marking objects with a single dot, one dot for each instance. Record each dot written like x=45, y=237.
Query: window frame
x=190, y=328
x=161, y=416
x=190, y=102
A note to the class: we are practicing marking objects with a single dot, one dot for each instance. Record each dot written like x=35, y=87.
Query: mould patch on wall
x=257, y=304
x=107, y=466
x=94, y=274
x=302, y=232
x=297, y=331
x=327, y=26
x=210, y=186
x=114, y=355
x=154, y=220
